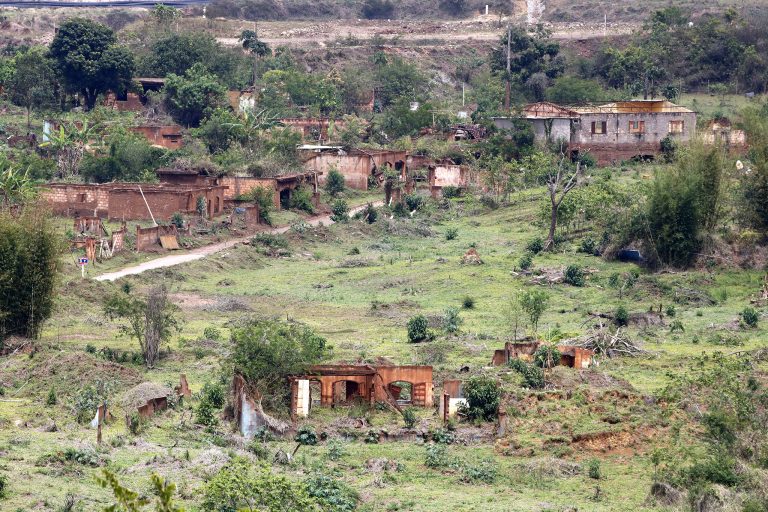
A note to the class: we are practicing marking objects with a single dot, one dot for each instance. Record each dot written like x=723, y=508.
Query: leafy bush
x=546, y=356
x=331, y=493
x=533, y=376
x=483, y=397
x=301, y=199
x=483, y=473
x=535, y=246
x=414, y=201
x=372, y=437
x=676, y=325
x=451, y=320
x=339, y=211
x=418, y=330
x=450, y=191
x=526, y=260
x=750, y=316
x=211, y=333
x=593, y=469
x=468, y=302
x=671, y=311
x=534, y=303
x=51, y=399
x=437, y=456
x=306, y=436
x=336, y=449
x=88, y=398
x=451, y=233
x=262, y=196
x=211, y=399
x=574, y=275
x=409, y=417
x=177, y=219
x=259, y=449
x=3, y=487
x=136, y=423
x=370, y=214
x=240, y=486
x=589, y=245
x=443, y=436
x=621, y=315
x=334, y=184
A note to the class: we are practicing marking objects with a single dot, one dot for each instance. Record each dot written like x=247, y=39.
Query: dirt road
x=202, y=252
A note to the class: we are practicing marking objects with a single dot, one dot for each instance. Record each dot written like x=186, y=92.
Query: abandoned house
x=448, y=174
x=452, y=400
x=146, y=399
x=130, y=101
x=332, y=385
x=612, y=132
x=167, y=136
x=282, y=187
x=358, y=166
x=132, y=201
x=721, y=132
x=573, y=357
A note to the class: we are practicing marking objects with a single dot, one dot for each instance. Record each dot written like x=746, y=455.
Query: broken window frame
x=599, y=127
x=637, y=127
x=676, y=127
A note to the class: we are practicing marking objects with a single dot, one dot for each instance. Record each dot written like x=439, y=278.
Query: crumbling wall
x=73, y=199
x=166, y=136
x=147, y=238
x=355, y=168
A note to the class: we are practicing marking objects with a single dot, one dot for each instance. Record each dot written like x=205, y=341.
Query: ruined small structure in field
x=573, y=357
x=146, y=399
x=358, y=166
x=334, y=385
x=452, y=400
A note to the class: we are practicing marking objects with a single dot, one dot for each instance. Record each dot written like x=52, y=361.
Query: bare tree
x=150, y=321
x=558, y=186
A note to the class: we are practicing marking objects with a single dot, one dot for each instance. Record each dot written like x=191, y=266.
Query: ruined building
x=330, y=385
x=612, y=132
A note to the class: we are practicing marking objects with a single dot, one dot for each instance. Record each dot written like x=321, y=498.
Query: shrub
x=136, y=423
x=546, y=356
x=414, y=201
x=418, y=329
x=273, y=241
x=211, y=399
x=262, y=196
x=483, y=396
x=334, y=184
x=593, y=469
x=301, y=199
x=534, y=303
x=306, y=436
x=372, y=437
x=671, y=311
x=443, y=436
x=483, y=473
x=450, y=192
x=574, y=275
x=211, y=333
x=589, y=245
x=240, y=486
x=51, y=398
x=339, y=211
x=533, y=376
x=535, y=246
x=621, y=315
x=336, y=449
x=451, y=320
x=370, y=214
x=90, y=349
x=451, y=233
x=526, y=260
x=88, y=398
x=468, y=302
x=437, y=456
x=750, y=316
x=259, y=449
x=3, y=487
x=332, y=494
x=676, y=325
x=177, y=220
x=409, y=417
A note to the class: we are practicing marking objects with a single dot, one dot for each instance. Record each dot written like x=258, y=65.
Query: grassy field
x=357, y=285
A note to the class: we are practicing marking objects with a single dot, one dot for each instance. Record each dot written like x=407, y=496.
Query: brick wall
x=150, y=237
x=77, y=199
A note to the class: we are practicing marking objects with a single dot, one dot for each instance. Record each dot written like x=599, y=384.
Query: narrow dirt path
x=202, y=252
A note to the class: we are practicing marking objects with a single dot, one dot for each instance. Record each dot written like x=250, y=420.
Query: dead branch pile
x=602, y=340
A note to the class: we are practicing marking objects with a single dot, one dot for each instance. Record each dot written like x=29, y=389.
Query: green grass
x=361, y=303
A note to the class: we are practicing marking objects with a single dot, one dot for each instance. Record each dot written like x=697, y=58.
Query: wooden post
x=101, y=414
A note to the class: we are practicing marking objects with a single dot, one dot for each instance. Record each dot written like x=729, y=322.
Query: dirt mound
x=74, y=370
x=144, y=392
x=227, y=304
x=552, y=468
x=471, y=257
x=563, y=377
x=604, y=441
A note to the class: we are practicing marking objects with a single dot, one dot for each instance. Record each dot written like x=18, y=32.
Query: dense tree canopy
x=90, y=60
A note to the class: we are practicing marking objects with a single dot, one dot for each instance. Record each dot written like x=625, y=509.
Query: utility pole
x=508, y=91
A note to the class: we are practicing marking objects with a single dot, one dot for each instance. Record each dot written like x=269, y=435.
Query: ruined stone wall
x=77, y=199
x=238, y=186
x=166, y=136
x=355, y=168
